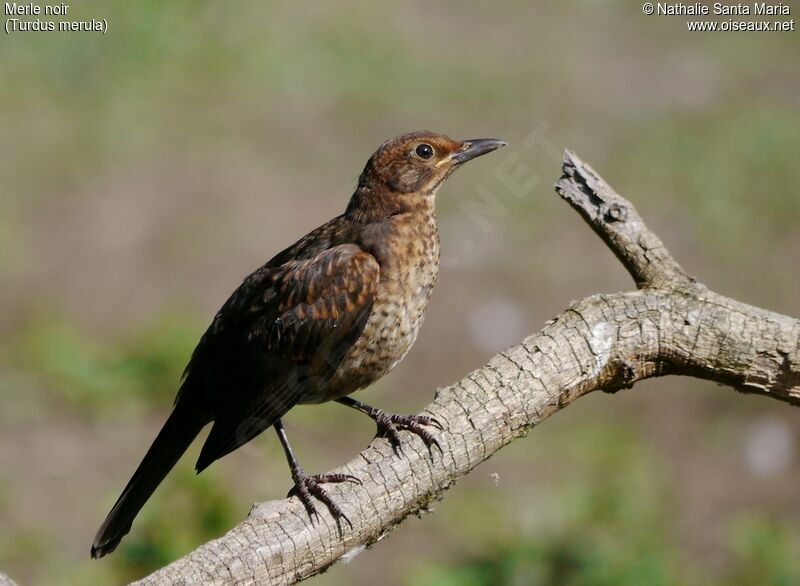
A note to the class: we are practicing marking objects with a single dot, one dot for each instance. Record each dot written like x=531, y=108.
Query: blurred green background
x=144, y=173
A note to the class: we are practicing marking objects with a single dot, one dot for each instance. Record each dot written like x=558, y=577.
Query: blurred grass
x=612, y=525
x=98, y=377
x=764, y=552
x=605, y=551
x=145, y=172
x=731, y=168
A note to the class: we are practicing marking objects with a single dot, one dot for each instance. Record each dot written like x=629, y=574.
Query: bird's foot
x=389, y=425
x=306, y=487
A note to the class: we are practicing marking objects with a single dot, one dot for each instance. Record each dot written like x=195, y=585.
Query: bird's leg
x=306, y=486
x=388, y=423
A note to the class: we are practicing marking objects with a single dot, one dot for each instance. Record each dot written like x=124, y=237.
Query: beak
x=476, y=147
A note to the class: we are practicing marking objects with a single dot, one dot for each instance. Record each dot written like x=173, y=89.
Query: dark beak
x=475, y=148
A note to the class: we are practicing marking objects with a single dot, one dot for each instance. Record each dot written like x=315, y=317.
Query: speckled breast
x=409, y=259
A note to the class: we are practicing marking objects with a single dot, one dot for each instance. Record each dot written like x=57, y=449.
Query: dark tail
x=170, y=444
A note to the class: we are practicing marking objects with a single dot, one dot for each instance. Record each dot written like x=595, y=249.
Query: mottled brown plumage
x=324, y=318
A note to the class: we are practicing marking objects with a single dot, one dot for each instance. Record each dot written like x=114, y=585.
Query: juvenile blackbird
x=326, y=317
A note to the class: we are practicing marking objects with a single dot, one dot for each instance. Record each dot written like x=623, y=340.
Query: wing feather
x=280, y=336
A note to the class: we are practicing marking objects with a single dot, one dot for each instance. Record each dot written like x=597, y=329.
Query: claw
x=387, y=429
x=305, y=486
x=427, y=437
x=388, y=424
x=433, y=422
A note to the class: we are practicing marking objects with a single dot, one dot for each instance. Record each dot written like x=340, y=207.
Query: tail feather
x=170, y=444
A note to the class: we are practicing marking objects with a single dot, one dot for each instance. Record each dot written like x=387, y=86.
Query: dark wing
x=279, y=338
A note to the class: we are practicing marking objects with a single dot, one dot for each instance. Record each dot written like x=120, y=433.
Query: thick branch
x=6, y=581
x=607, y=342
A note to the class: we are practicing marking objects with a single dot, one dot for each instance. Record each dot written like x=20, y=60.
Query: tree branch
x=671, y=325
x=6, y=581
x=616, y=221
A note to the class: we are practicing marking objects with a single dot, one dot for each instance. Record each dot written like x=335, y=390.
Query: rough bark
x=6, y=581
x=670, y=325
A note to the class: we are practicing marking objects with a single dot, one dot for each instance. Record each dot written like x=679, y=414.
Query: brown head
x=413, y=165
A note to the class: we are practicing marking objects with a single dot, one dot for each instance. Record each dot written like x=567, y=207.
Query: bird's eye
x=424, y=151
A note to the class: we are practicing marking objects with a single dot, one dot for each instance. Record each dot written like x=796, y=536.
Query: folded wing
x=279, y=337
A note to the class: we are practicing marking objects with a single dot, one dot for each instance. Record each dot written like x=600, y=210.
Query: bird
x=326, y=317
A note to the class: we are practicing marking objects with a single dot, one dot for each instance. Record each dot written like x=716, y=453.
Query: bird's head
x=417, y=163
